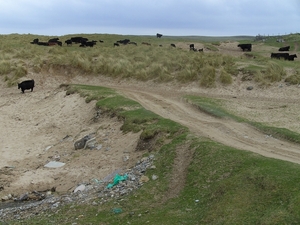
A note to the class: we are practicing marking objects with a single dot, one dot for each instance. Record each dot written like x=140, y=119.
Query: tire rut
x=237, y=135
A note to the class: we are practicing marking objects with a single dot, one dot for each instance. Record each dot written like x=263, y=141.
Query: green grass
x=231, y=186
x=214, y=107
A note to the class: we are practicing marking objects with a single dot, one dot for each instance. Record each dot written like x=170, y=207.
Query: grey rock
x=80, y=144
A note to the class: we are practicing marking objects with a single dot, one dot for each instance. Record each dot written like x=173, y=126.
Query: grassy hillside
x=159, y=61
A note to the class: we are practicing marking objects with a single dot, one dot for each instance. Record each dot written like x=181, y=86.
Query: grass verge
x=213, y=107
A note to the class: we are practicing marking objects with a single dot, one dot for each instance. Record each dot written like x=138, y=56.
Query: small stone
x=154, y=177
x=144, y=179
x=80, y=188
x=4, y=198
x=48, y=147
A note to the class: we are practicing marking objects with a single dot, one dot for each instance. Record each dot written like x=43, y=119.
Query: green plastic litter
x=117, y=179
x=117, y=210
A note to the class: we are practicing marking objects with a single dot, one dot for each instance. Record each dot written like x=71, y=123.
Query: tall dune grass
x=141, y=62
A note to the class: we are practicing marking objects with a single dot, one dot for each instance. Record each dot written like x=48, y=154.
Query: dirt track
x=170, y=104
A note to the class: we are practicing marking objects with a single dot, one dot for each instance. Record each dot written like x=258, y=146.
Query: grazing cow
x=173, y=45
x=116, y=44
x=283, y=49
x=145, y=43
x=53, y=40
x=280, y=55
x=245, y=47
x=26, y=85
x=52, y=43
x=87, y=43
x=35, y=41
x=101, y=41
x=68, y=42
x=292, y=57
x=200, y=50
x=159, y=35
x=124, y=42
x=77, y=40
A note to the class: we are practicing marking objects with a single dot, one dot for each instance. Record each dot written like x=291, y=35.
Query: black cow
x=200, y=50
x=68, y=42
x=282, y=49
x=55, y=43
x=124, y=42
x=192, y=46
x=292, y=57
x=53, y=40
x=245, y=47
x=116, y=44
x=35, y=41
x=101, y=41
x=159, y=35
x=26, y=85
x=173, y=45
x=78, y=39
x=88, y=44
x=280, y=55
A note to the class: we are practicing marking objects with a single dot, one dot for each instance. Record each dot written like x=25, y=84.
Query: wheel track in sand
x=228, y=132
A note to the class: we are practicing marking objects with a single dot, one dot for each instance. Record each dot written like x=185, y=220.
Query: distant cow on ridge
x=245, y=47
x=159, y=35
x=26, y=85
x=282, y=49
x=280, y=56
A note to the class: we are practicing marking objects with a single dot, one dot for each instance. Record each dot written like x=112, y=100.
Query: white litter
x=54, y=164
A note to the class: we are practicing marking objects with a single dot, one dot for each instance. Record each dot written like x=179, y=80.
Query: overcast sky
x=148, y=17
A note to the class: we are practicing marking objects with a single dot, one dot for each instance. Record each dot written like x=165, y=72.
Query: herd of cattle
x=84, y=42
x=279, y=55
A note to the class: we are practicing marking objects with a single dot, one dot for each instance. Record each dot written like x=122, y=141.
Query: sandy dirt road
x=238, y=135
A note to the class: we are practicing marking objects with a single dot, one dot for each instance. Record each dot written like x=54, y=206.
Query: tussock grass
x=160, y=64
x=225, y=78
x=208, y=77
x=293, y=79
